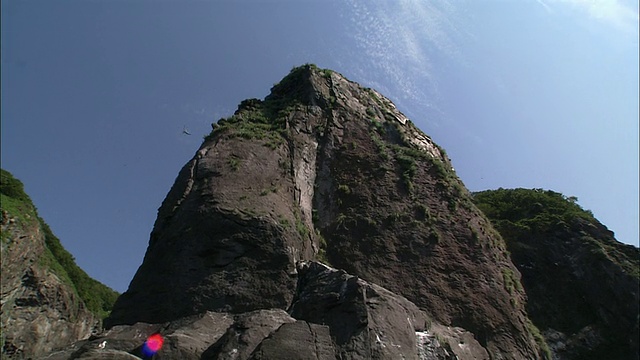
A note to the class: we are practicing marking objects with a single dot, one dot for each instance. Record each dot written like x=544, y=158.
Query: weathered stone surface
x=247, y=332
x=92, y=354
x=581, y=282
x=40, y=311
x=393, y=212
x=580, y=294
x=339, y=317
x=231, y=256
x=443, y=342
x=297, y=341
x=186, y=338
x=365, y=320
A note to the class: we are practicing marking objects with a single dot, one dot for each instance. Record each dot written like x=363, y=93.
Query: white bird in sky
x=185, y=131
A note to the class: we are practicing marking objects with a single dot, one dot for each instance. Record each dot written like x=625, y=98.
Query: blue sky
x=521, y=93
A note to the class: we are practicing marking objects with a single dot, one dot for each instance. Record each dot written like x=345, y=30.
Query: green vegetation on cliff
x=16, y=204
x=577, y=276
x=255, y=119
x=266, y=119
x=518, y=211
x=522, y=214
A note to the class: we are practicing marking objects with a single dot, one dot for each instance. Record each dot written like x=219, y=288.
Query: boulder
x=299, y=340
x=246, y=333
x=365, y=320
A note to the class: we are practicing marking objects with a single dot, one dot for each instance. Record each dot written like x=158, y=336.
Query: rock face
x=299, y=340
x=582, y=284
x=325, y=169
x=334, y=316
x=186, y=338
x=365, y=320
x=40, y=307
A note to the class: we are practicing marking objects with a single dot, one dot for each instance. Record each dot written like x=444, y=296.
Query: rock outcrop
x=334, y=316
x=325, y=169
x=40, y=306
x=582, y=284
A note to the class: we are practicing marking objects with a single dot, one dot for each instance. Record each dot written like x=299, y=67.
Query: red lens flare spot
x=153, y=344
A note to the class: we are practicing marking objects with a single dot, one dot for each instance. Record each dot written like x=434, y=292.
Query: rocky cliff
x=320, y=223
x=333, y=316
x=324, y=169
x=582, y=284
x=42, y=303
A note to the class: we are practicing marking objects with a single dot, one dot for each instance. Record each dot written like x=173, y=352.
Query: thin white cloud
x=618, y=13
x=546, y=7
x=399, y=38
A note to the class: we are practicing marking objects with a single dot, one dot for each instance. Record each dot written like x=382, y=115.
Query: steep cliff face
x=582, y=284
x=41, y=308
x=325, y=169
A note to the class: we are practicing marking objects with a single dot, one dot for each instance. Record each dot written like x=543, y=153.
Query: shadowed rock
x=335, y=316
x=366, y=320
x=185, y=338
x=297, y=341
x=581, y=282
x=246, y=333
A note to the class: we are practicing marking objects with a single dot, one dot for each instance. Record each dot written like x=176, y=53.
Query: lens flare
x=152, y=345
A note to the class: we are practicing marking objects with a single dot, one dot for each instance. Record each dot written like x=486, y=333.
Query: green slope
x=15, y=202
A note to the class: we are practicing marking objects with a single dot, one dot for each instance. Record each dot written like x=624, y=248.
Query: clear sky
x=521, y=93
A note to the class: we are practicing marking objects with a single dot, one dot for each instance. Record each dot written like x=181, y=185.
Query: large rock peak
x=305, y=84
x=323, y=169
